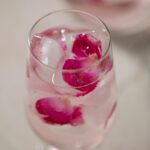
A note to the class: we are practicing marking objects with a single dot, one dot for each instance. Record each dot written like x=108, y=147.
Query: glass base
x=41, y=146
x=50, y=148
x=46, y=147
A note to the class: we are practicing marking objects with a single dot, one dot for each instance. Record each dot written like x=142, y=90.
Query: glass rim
x=69, y=11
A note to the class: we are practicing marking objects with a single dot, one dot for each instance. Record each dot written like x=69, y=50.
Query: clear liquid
x=98, y=106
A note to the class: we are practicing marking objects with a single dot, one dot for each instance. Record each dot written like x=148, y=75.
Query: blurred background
x=129, y=24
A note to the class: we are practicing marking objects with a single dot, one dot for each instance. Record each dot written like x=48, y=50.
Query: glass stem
x=47, y=147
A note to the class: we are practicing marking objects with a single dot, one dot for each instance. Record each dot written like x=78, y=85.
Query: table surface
x=132, y=62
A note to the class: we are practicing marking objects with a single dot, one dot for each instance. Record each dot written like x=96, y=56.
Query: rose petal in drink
x=54, y=110
x=85, y=45
x=83, y=79
x=86, y=89
x=75, y=116
x=106, y=64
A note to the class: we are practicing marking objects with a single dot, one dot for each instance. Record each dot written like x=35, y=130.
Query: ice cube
x=51, y=52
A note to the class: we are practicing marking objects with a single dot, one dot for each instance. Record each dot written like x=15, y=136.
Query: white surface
x=132, y=60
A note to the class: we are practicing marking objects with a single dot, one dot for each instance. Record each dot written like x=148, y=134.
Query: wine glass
x=70, y=79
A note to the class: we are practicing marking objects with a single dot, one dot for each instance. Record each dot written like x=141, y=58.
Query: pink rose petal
x=75, y=117
x=106, y=64
x=58, y=111
x=87, y=50
x=85, y=45
x=84, y=80
x=87, y=89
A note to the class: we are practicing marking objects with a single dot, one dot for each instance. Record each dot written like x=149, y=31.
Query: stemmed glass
x=70, y=79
